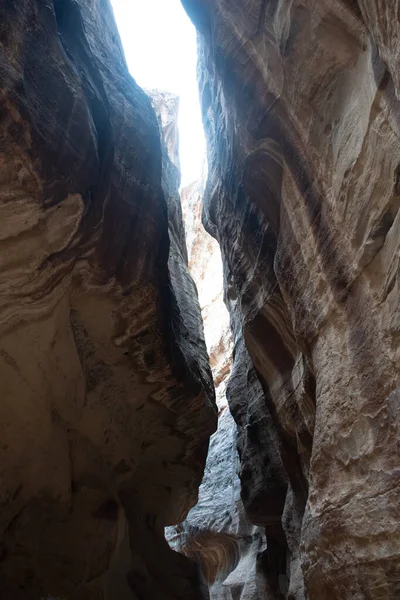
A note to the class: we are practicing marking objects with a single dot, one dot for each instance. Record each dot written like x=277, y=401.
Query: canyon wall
x=300, y=104
x=107, y=400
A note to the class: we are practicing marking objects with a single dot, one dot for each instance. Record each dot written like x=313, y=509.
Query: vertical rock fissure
x=218, y=533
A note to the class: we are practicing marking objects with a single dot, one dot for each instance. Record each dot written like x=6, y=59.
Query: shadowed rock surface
x=300, y=103
x=107, y=400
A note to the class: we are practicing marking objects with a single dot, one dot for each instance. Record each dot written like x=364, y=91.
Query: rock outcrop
x=300, y=103
x=107, y=401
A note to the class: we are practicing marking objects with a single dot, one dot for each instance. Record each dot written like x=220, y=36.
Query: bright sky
x=160, y=47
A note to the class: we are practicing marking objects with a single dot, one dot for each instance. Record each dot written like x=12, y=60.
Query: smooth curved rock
x=107, y=400
x=301, y=107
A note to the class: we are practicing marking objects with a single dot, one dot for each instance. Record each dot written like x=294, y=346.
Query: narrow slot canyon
x=199, y=338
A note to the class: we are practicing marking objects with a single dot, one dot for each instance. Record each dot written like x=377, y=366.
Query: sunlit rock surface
x=107, y=400
x=300, y=102
x=206, y=268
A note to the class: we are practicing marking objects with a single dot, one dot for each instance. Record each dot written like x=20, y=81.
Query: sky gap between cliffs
x=160, y=46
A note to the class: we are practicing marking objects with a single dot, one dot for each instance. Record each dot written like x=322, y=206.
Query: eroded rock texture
x=217, y=533
x=301, y=106
x=205, y=265
x=106, y=392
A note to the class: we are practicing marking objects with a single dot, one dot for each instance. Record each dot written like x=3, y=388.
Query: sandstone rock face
x=107, y=400
x=301, y=107
x=205, y=265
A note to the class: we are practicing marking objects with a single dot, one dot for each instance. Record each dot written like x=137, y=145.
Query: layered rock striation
x=107, y=400
x=301, y=108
